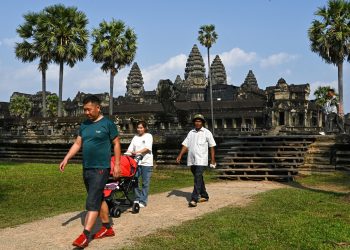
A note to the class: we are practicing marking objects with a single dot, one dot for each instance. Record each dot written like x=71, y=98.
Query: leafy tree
x=321, y=95
x=207, y=37
x=65, y=30
x=330, y=37
x=20, y=106
x=52, y=101
x=114, y=45
x=31, y=48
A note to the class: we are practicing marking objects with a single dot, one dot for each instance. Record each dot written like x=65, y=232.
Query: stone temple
x=281, y=108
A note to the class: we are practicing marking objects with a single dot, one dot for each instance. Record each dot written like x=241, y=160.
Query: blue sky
x=266, y=36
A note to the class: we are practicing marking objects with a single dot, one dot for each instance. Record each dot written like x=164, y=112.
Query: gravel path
x=164, y=210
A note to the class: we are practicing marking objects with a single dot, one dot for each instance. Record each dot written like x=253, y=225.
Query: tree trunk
x=43, y=89
x=111, y=84
x=60, y=90
x=340, y=88
x=211, y=95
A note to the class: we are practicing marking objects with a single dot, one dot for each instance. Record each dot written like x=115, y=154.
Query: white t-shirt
x=141, y=142
x=197, y=143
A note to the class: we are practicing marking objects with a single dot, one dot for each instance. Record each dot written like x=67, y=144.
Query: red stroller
x=119, y=194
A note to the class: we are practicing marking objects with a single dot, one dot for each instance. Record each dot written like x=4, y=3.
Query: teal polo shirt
x=97, y=140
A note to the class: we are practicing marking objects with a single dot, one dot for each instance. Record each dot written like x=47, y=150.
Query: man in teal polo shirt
x=96, y=136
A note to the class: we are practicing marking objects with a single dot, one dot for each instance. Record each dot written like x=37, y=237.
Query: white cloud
x=286, y=72
x=277, y=59
x=237, y=57
x=167, y=70
x=10, y=42
x=97, y=81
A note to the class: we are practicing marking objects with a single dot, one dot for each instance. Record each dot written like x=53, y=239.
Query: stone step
x=261, y=153
x=40, y=160
x=259, y=176
x=266, y=143
x=42, y=153
x=316, y=166
x=278, y=148
x=259, y=164
x=273, y=158
x=257, y=169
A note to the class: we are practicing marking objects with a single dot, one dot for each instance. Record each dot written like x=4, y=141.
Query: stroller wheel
x=135, y=208
x=115, y=212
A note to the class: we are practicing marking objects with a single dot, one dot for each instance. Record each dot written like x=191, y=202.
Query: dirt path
x=164, y=210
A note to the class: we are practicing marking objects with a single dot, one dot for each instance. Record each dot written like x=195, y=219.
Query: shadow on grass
x=179, y=193
x=4, y=192
x=325, y=190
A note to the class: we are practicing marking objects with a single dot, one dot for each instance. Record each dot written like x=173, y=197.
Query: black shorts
x=95, y=180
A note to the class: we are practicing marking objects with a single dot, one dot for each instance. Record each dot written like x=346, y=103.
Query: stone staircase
x=342, y=155
x=319, y=157
x=45, y=153
x=243, y=157
x=262, y=157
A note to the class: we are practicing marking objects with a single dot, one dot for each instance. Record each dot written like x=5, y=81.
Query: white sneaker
x=322, y=133
x=141, y=204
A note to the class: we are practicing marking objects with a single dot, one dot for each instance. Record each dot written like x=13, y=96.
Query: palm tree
x=321, y=95
x=65, y=30
x=207, y=37
x=114, y=45
x=31, y=49
x=330, y=37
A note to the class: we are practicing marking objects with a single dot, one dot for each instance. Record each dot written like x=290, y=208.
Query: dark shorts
x=95, y=180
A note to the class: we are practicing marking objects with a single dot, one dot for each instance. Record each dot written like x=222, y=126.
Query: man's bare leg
x=90, y=220
x=104, y=213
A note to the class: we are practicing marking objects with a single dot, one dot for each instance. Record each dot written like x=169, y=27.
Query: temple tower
x=195, y=70
x=134, y=84
x=249, y=89
x=218, y=72
x=250, y=81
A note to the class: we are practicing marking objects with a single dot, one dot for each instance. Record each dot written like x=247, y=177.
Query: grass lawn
x=31, y=191
x=310, y=213
x=314, y=214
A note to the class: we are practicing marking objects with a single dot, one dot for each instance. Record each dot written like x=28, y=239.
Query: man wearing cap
x=197, y=142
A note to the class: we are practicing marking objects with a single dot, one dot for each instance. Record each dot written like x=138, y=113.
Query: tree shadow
x=295, y=184
x=180, y=193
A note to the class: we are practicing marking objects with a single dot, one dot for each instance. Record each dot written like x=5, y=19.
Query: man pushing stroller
x=96, y=136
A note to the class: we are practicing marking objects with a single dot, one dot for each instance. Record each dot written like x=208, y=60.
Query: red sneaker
x=82, y=241
x=104, y=232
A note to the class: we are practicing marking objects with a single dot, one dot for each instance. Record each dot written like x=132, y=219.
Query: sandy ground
x=164, y=210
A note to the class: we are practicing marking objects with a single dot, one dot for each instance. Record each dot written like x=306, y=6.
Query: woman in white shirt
x=142, y=144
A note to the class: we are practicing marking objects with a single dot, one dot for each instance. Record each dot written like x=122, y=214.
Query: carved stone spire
x=282, y=84
x=249, y=90
x=195, y=70
x=218, y=72
x=250, y=81
x=134, y=84
x=178, y=81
